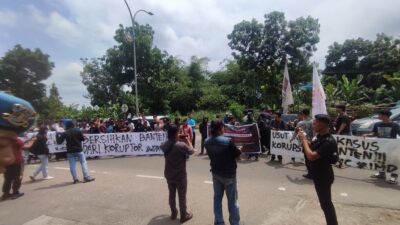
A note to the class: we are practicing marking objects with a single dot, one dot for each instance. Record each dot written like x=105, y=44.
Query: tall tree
x=22, y=71
x=261, y=51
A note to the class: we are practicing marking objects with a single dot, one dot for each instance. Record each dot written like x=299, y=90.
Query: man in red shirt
x=16, y=116
x=13, y=173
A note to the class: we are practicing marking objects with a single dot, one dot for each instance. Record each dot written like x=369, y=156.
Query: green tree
x=22, y=71
x=261, y=50
x=54, y=103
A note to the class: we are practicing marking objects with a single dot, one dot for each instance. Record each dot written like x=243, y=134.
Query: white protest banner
x=372, y=154
x=115, y=144
x=282, y=144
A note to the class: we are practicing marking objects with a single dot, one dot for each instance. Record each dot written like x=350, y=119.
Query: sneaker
x=378, y=176
x=88, y=179
x=76, y=181
x=16, y=195
x=186, y=217
x=5, y=197
x=393, y=180
x=48, y=178
x=32, y=178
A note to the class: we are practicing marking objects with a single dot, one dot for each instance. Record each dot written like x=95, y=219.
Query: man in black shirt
x=321, y=152
x=342, y=123
x=385, y=129
x=277, y=124
x=223, y=154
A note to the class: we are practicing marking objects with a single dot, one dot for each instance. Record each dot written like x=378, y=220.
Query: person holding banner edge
x=385, y=129
x=322, y=153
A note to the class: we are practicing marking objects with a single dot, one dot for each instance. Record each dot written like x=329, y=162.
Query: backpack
x=333, y=156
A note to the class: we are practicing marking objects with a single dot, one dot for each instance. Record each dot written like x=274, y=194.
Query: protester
x=175, y=172
x=41, y=150
x=139, y=127
x=74, y=139
x=110, y=126
x=249, y=119
x=192, y=123
x=102, y=127
x=277, y=124
x=95, y=127
x=322, y=152
x=157, y=127
x=130, y=125
x=223, y=154
x=16, y=116
x=343, y=122
x=203, y=128
x=264, y=130
x=233, y=121
x=385, y=129
x=305, y=123
x=167, y=124
x=14, y=172
x=185, y=131
x=121, y=127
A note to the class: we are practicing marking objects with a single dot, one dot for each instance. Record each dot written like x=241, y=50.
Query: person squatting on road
x=322, y=153
x=74, y=138
x=175, y=153
x=223, y=154
x=16, y=116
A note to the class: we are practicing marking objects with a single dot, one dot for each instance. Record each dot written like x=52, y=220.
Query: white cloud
x=196, y=27
x=69, y=83
x=8, y=18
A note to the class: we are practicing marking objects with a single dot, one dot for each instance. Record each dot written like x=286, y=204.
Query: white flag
x=287, y=97
x=318, y=95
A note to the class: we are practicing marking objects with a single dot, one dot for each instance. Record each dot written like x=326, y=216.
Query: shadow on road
x=299, y=181
x=55, y=186
x=162, y=220
x=383, y=184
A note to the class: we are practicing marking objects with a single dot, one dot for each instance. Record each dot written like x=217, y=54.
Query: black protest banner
x=246, y=136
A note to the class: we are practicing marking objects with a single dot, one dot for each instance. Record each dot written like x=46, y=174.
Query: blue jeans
x=81, y=157
x=44, y=161
x=228, y=185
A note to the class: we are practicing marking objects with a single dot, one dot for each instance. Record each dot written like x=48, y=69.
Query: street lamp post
x=134, y=51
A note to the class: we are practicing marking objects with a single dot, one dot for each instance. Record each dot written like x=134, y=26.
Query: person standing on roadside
x=175, y=153
x=74, y=138
x=277, y=124
x=223, y=155
x=204, y=133
x=322, y=153
x=192, y=123
x=385, y=129
x=16, y=116
x=41, y=149
x=343, y=122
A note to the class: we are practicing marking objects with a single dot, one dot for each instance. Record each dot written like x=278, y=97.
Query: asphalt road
x=132, y=190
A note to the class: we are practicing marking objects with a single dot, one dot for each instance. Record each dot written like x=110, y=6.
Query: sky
x=68, y=30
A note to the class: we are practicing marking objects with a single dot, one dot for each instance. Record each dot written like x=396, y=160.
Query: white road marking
x=300, y=205
x=282, y=189
x=92, y=171
x=61, y=168
x=208, y=182
x=105, y=172
x=150, y=177
x=344, y=194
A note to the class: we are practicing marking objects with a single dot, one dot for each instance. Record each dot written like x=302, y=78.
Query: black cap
x=323, y=118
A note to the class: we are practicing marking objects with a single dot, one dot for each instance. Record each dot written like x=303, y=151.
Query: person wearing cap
x=74, y=138
x=385, y=129
x=342, y=122
x=16, y=116
x=322, y=153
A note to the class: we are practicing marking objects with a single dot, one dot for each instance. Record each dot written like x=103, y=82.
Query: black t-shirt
x=340, y=120
x=278, y=125
x=223, y=153
x=325, y=146
x=386, y=130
